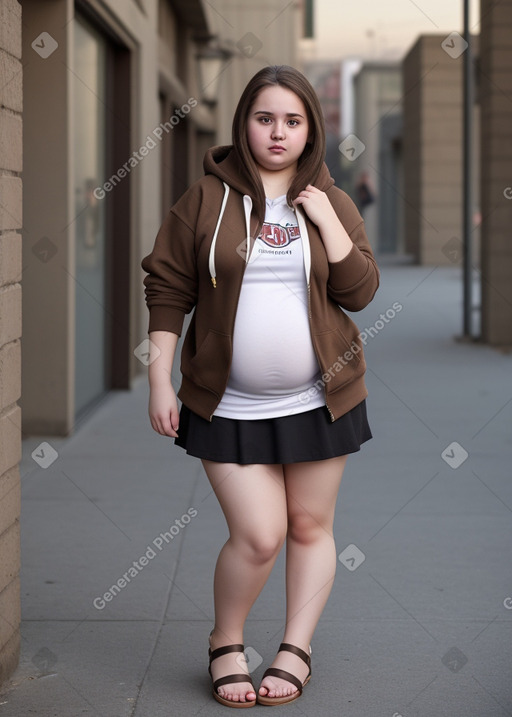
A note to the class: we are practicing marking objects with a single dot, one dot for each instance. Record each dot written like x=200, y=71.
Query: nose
x=278, y=131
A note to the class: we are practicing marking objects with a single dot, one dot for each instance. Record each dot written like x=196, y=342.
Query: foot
x=231, y=664
x=277, y=687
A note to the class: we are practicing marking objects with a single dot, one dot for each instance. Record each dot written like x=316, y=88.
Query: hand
x=317, y=206
x=163, y=410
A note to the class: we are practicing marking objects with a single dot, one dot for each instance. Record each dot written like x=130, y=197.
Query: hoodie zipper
x=314, y=348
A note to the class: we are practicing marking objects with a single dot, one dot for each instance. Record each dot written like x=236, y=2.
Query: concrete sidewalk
x=419, y=622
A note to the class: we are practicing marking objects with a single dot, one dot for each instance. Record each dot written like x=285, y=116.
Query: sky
x=383, y=29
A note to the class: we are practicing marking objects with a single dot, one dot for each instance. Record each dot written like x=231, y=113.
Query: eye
x=293, y=122
x=265, y=120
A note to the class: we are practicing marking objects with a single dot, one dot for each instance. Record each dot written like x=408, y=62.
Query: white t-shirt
x=274, y=362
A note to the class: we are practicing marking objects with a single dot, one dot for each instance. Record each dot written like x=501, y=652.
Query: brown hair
x=312, y=158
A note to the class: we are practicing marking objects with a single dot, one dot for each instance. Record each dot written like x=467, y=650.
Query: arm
x=317, y=206
x=353, y=273
x=163, y=405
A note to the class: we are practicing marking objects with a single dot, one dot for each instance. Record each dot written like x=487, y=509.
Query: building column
x=496, y=177
x=48, y=227
x=11, y=102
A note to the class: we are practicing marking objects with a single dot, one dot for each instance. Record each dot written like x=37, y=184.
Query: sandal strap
x=229, y=679
x=226, y=649
x=296, y=651
x=283, y=675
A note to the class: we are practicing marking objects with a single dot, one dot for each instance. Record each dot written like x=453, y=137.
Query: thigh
x=312, y=489
x=252, y=497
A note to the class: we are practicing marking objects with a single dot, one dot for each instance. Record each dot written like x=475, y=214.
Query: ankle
x=220, y=638
x=299, y=641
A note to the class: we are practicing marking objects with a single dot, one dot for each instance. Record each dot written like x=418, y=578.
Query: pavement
x=419, y=621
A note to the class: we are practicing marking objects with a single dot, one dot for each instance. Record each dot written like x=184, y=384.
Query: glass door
x=89, y=146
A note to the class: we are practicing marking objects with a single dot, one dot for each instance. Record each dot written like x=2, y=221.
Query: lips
x=277, y=148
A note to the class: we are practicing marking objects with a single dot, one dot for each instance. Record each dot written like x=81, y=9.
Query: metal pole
x=467, y=179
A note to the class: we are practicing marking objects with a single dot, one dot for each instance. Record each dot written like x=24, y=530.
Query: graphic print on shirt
x=277, y=237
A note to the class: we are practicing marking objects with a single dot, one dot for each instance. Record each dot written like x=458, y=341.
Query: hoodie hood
x=223, y=163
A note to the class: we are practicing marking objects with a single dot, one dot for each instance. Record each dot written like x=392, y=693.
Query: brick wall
x=10, y=330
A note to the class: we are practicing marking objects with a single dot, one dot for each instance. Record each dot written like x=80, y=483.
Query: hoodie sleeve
x=354, y=280
x=171, y=281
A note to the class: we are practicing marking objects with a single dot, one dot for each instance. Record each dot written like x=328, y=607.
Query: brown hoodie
x=187, y=269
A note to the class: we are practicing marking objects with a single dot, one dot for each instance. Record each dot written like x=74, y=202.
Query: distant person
x=365, y=192
x=266, y=250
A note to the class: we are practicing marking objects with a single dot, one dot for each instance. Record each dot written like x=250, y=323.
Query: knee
x=262, y=548
x=304, y=528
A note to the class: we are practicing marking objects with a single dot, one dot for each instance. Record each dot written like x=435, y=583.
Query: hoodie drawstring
x=211, y=259
x=247, y=210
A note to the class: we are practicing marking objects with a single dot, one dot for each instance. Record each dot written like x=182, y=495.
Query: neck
x=276, y=184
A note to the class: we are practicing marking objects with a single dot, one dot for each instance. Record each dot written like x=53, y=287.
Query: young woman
x=269, y=253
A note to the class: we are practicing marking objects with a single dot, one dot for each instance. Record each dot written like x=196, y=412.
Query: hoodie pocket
x=340, y=361
x=209, y=366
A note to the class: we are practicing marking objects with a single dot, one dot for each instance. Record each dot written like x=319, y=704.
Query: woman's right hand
x=163, y=409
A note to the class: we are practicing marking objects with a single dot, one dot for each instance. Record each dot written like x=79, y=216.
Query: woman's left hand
x=319, y=209
x=317, y=206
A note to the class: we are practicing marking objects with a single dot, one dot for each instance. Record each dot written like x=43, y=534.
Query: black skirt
x=308, y=436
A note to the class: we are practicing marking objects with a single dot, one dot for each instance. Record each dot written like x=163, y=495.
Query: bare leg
x=311, y=491
x=253, y=501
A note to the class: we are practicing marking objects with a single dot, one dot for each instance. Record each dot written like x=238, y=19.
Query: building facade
x=433, y=150
x=495, y=87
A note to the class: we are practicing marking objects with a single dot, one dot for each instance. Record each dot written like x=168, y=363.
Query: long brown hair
x=312, y=158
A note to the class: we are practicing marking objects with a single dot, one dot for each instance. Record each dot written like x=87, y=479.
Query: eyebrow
x=288, y=114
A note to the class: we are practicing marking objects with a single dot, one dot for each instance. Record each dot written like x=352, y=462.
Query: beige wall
x=496, y=183
x=257, y=34
x=10, y=330
x=432, y=89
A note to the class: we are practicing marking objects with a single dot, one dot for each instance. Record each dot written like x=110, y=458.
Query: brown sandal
x=229, y=679
x=284, y=675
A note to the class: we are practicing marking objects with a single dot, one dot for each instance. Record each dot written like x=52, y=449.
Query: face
x=277, y=128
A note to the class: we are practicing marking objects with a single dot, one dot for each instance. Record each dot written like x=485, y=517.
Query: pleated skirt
x=307, y=436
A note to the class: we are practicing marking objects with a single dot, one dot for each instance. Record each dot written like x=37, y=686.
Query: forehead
x=278, y=99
